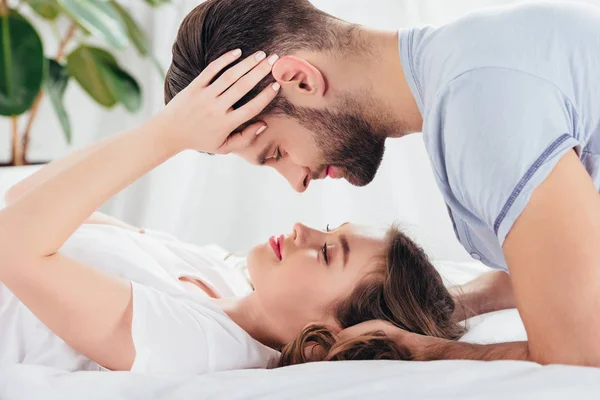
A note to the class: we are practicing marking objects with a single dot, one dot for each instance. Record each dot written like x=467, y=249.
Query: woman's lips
x=276, y=245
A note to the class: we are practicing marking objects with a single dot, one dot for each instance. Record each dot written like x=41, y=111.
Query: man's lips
x=333, y=172
x=276, y=245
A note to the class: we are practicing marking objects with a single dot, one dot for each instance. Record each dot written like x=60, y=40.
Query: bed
x=334, y=380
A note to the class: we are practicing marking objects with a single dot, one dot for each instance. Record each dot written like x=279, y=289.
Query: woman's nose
x=299, y=234
x=305, y=236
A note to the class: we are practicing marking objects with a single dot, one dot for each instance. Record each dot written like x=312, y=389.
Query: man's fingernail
x=261, y=55
x=276, y=86
x=261, y=130
x=237, y=52
x=273, y=59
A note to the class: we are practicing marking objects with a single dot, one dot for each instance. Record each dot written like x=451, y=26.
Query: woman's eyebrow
x=345, y=248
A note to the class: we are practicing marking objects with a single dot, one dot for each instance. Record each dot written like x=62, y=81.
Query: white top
x=175, y=331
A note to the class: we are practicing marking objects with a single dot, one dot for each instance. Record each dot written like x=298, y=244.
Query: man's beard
x=348, y=136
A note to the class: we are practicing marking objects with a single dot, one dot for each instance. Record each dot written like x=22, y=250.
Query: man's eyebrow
x=262, y=157
x=345, y=248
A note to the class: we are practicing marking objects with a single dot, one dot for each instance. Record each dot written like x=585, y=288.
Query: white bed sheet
x=335, y=380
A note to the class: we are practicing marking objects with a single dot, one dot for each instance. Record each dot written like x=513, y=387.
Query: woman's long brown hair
x=407, y=291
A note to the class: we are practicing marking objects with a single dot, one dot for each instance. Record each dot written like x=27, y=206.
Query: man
x=508, y=101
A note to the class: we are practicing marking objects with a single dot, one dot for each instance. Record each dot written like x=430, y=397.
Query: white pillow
x=496, y=327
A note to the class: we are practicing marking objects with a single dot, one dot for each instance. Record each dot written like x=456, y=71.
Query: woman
x=105, y=296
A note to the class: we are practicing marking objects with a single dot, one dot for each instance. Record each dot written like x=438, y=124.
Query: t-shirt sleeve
x=169, y=334
x=502, y=133
x=185, y=335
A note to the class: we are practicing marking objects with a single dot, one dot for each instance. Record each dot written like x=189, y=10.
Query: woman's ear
x=301, y=82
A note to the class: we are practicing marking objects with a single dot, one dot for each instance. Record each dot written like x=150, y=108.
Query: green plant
x=26, y=74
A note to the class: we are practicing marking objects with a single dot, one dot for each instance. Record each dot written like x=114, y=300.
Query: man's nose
x=297, y=176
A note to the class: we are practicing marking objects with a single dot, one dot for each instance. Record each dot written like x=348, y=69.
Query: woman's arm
x=88, y=309
x=51, y=170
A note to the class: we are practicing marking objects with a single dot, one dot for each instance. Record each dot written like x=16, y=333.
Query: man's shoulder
x=514, y=37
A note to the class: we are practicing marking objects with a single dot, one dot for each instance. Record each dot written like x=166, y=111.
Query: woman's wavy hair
x=406, y=291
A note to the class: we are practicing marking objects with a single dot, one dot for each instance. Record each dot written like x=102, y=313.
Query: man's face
x=345, y=140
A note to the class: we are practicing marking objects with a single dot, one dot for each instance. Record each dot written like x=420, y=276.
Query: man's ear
x=301, y=82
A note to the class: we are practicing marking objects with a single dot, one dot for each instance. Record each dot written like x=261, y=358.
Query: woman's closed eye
x=324, y=248
x=325, y=255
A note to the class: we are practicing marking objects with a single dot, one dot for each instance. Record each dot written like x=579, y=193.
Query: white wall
x=206, y=199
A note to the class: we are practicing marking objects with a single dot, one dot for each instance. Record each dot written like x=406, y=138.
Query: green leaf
x=87, y=65
x=21, y=64
x=48, y=9
x=98, y=73
x=137, y=36
x=100, y=18
x=57, y=79
x=155, y=3
x=134, y=31
x=124, y=88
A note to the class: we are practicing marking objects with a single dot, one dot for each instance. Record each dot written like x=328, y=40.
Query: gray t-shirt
x=504, y=95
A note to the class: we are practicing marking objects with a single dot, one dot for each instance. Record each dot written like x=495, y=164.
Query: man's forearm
x=491, y=291
x=441, y=349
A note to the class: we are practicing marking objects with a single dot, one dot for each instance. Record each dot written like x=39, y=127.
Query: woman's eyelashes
x=324, y=248
x=325, y=255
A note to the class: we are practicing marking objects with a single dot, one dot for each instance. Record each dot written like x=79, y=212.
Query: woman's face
x=299, y=277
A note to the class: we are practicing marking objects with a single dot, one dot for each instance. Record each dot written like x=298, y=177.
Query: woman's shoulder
x=186, y=334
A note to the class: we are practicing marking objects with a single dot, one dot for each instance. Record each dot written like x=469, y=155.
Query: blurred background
x=203, y=199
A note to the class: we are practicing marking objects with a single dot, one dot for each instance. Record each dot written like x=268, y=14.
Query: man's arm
x=426, y=348
x=553, y=255
x=489, y=292
x=554, y=259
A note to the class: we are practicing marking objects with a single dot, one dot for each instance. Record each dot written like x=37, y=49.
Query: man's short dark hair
x=274, y=26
